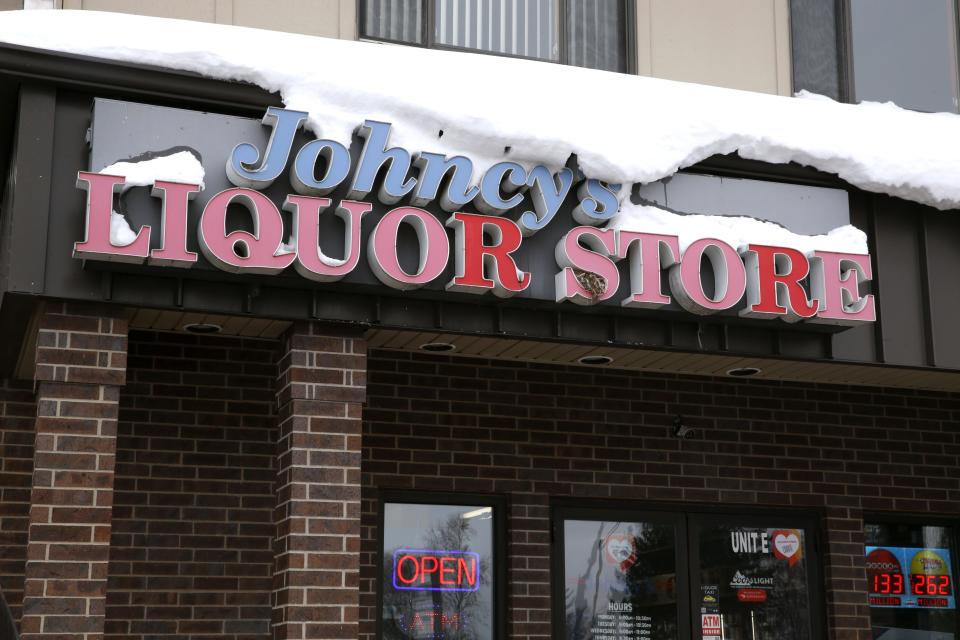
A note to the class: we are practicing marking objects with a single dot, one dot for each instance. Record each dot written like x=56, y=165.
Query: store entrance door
x=628, y=574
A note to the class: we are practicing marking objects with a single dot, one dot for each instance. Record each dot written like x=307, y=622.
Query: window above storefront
x=901, y=51
x=905, y=52
x=584, y=33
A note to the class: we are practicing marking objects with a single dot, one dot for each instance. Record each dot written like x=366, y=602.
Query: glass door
x=624, y=574
x=622, y=577
x=754, y=578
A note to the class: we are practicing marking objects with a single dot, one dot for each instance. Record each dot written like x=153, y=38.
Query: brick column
x=17, y=415
x=81, y=364
x=848, y=612
x=320, y=392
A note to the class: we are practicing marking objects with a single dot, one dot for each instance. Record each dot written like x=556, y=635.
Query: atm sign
x=712, y=625
x=426, y=570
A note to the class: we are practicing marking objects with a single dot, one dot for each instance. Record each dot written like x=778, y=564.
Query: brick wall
x=532, y=432
x=194, y=497
x=321, y=386
x=81, y=359
x=191, y=549
x=17, y=414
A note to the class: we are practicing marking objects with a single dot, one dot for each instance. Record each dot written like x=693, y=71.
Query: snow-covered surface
x=623, y=129
x=120, y=232
x=181, y=166
x=735, y=231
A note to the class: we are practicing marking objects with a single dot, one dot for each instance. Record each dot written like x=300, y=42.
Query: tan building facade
x=741, y=44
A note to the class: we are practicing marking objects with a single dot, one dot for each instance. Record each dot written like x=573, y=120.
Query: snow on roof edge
x=626, y=129
x=623, y=128
x=542, y=111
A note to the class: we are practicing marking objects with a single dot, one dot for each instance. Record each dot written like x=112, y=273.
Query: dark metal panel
x=685, y=335
x=640, y=331
x=856, y=343
x=162, y=292
x=31, y=184
x=860, y=343
x=745, y=339
x=526, y=322
x=9, y=106
x=929, y=354
x=898, y=269
x=211, y=296
x=273, y=302
x=587, y=327
x=711, y=337
x=15, y=316
x=344, y=307
x=806, y=345
x=471, y=318
x=943, y=258
x=63, y=278
x=163, y=86
x=407, y=312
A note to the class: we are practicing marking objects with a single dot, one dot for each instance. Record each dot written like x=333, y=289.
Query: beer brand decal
x=741, y=580
x=475, y=240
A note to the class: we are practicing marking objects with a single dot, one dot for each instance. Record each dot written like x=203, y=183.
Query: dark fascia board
x=191, y=90
x=132, y=81
x=733, y=165
x=17, y=315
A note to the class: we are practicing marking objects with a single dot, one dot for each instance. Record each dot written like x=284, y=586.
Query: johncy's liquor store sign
x=463, y=234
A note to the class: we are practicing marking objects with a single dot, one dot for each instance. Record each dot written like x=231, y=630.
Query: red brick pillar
x=81, y=364
x=18, y=412
x=848, y=612
x=320, y=392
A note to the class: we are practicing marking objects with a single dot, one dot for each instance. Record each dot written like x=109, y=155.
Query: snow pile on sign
x=623, y=129
x=737, y=231
x=181, y=166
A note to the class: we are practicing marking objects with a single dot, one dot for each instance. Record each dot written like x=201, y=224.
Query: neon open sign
x=427, y=570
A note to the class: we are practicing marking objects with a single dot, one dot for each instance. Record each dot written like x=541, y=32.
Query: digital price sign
x=887, y=583
x=910, y=578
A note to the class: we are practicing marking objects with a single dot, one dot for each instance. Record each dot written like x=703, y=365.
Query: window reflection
x=758, y=577
x=438, y=568
x=905, y=52
x=620, y=580
x=738, y=578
